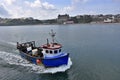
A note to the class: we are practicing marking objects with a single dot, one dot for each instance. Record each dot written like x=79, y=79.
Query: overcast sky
x=47, y=9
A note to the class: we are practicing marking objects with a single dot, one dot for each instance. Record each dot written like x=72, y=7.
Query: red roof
x=52, y=46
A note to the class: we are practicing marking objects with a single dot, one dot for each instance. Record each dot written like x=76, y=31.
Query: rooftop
x=52, y=46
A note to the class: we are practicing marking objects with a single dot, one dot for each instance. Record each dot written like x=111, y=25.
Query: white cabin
x=50, y=50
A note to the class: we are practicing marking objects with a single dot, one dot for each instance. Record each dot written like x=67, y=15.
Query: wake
x=15, y=59
x=6, y=42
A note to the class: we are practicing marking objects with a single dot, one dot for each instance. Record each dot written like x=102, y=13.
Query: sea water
x=94, y=52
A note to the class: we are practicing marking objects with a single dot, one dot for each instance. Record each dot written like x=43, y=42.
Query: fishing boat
x=48, y=55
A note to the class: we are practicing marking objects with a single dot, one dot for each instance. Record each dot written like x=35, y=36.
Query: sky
x=50, y=9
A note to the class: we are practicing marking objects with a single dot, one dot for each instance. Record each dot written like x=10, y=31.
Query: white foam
x=15, y=59
x=11, y=43
x=12, y=58
x=62, y=68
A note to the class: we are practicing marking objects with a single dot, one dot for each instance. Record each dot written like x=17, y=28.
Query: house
x=109, y=20
x=69, y=22
x=62, y=18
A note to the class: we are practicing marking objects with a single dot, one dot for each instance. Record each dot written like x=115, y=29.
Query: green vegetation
x=19, y=21
x=85, y=19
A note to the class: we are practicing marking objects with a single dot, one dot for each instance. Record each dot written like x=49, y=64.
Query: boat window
x=50, y=52
x=59, y=50
x=47, y=51
x=55, y=51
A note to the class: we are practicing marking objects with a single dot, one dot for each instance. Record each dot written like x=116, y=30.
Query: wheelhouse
x=53, y=48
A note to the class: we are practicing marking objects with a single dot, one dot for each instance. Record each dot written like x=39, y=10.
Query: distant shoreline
x=57, y=24
x=62, y=19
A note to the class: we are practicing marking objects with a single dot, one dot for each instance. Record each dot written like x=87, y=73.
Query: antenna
x=47, y=42
x=52, y=34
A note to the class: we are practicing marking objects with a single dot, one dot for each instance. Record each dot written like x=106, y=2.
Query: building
x=109, y=20
x=62, y=18
x=69, y=22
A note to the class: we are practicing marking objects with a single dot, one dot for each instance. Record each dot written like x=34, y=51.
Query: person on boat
x=40, y=52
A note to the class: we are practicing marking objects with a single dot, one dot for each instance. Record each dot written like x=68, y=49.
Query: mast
x=52, y=34
x=47, y=42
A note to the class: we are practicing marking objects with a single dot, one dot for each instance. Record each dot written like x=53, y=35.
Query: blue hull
x=47, y=62
x=55, y=62
x=29, y=58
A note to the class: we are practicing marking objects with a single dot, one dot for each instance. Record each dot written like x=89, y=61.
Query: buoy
x=38, y=61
